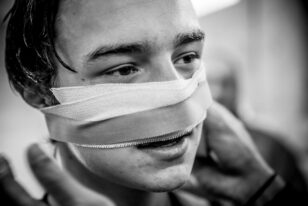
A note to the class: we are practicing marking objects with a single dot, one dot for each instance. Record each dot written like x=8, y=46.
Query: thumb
x=227, y=137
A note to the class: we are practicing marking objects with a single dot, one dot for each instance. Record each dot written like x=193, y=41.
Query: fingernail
x=4, y=166
x=36, y=154
x=47, y=148
x=34, y=151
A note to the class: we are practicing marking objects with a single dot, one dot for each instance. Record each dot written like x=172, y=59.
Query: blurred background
x=256, y=57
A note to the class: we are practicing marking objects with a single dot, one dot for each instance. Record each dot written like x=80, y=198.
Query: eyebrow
x=186, y=38
x=139, y=47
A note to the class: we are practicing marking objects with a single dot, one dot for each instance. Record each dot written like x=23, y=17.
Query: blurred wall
x=267, y=39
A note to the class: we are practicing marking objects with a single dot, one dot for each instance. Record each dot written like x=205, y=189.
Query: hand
x=64, y=190
x=234, y=170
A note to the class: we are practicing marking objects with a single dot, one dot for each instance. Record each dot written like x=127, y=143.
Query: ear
x=36, y=99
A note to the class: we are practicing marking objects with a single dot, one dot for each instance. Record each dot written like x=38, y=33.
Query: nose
x=163, y=69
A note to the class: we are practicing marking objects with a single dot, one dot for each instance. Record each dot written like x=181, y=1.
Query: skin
x=83, y=28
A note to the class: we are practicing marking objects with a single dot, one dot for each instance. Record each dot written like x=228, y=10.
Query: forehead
x=82, y=25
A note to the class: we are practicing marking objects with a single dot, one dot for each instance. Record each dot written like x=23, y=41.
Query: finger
x=227, y=137
x=224, y=124
x=193, y=185
x=11, y=191
x=208, y=182
x=60, y=185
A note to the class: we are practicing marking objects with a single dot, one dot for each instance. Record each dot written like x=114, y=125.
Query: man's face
x=131, y=41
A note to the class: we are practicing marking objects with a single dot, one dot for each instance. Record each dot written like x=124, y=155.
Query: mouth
x=168, y=148
x=169, y=141
x=159, y=142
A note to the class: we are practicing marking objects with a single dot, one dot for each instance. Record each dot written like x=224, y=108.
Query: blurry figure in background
x=224, y=80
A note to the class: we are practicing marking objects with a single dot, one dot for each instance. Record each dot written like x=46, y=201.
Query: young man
x=72, y=45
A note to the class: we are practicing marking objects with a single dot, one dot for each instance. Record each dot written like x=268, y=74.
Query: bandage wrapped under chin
x=122, y=115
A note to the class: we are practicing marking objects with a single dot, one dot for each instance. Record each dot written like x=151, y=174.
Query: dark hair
x=30, y=54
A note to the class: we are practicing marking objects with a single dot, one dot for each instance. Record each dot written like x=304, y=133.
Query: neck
x=120, y=195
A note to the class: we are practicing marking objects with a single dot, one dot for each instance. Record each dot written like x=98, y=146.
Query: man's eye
x=187, y=58
x=122, y=71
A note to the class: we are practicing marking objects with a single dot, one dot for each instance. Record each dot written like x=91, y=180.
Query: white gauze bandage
x=119, y=115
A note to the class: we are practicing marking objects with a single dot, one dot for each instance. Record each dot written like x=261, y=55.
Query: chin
x=168, y=188
x=168, y=181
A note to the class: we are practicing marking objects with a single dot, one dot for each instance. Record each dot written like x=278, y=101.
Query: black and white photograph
x=153, y=103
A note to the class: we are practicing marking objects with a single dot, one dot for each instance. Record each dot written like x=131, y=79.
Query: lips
x=168, y=142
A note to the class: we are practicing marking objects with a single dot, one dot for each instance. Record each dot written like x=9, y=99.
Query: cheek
x=126, y=167
x=112, y=164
